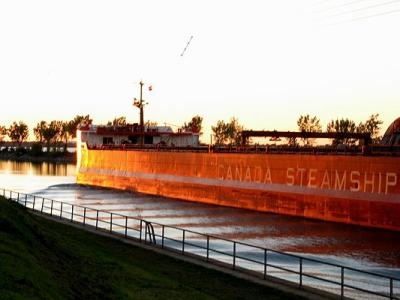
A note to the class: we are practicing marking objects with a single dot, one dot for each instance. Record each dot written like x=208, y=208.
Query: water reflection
x=36, y=168
x=30, y=177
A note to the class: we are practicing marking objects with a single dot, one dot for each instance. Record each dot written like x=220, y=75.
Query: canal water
x=369, y=249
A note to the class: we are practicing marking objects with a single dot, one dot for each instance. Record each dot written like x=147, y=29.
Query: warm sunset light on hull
x=358, y=190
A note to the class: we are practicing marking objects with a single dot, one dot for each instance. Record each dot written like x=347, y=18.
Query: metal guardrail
x=263, y=262
x=372, y=150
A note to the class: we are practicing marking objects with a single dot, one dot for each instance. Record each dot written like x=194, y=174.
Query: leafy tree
x=51, y=133
x=371, y=126
x=72, y=129
x=18, y=132
x=67, y=130
x=219, y=131
x=227, y=132
x=194, y=125
x=3, y=132
x=55, y=132
x=233, y=131
x=344, y=126
x=38, y=130
x=119, y=121
x=77, y=121
x=58, y=137
x=309, y=124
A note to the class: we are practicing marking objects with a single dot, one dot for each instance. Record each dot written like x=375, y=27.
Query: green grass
x=41, y=259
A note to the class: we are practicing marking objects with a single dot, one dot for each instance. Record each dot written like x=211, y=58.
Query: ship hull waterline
x=357, y=190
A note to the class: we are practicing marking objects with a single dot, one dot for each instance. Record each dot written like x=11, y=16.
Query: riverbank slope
x=42, y=259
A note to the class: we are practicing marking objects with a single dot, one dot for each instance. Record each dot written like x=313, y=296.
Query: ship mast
x=140, y=104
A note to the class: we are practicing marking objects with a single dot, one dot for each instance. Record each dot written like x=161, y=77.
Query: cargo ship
x=331, y=184
x=357, y=185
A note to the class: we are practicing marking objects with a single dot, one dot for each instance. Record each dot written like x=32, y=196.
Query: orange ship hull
x=357, y=190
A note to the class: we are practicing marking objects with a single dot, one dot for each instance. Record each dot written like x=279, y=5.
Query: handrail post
x=34, y=200
x=208, y=247
x=97, y=218
x=41, y=210
x=51, y=208
x=265, y=263
x=301, y=272
x=145, y=233
x=183, y=241
x=61, y=210
x=162, y=236
x=72, y=213
x=18, y=197
x=84, y=215
x=141, y=227
x=391, y=288
x=26, y=198
x=126, y=226
x=111, y=220
x=234, y=256
x=342, y=283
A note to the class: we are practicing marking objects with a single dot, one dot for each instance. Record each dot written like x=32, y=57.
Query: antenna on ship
x=140, y=104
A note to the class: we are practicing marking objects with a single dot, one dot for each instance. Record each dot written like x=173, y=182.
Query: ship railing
x=372, y=150
x=302, y=271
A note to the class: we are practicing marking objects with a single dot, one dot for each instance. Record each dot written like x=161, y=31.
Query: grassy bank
x=42, y=259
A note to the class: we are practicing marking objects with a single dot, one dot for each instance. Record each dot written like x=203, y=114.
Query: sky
x=263, y=62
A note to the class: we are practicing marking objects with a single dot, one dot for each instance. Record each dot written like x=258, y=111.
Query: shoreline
x=44, y=157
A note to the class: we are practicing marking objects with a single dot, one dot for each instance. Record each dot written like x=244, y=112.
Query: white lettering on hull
x=391, y=180
x=269, y=187
x=337, y=180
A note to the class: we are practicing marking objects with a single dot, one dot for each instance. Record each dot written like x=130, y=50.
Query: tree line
x=53, y=133
x=371, y=126
x=60, y=132
x=230, y=132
